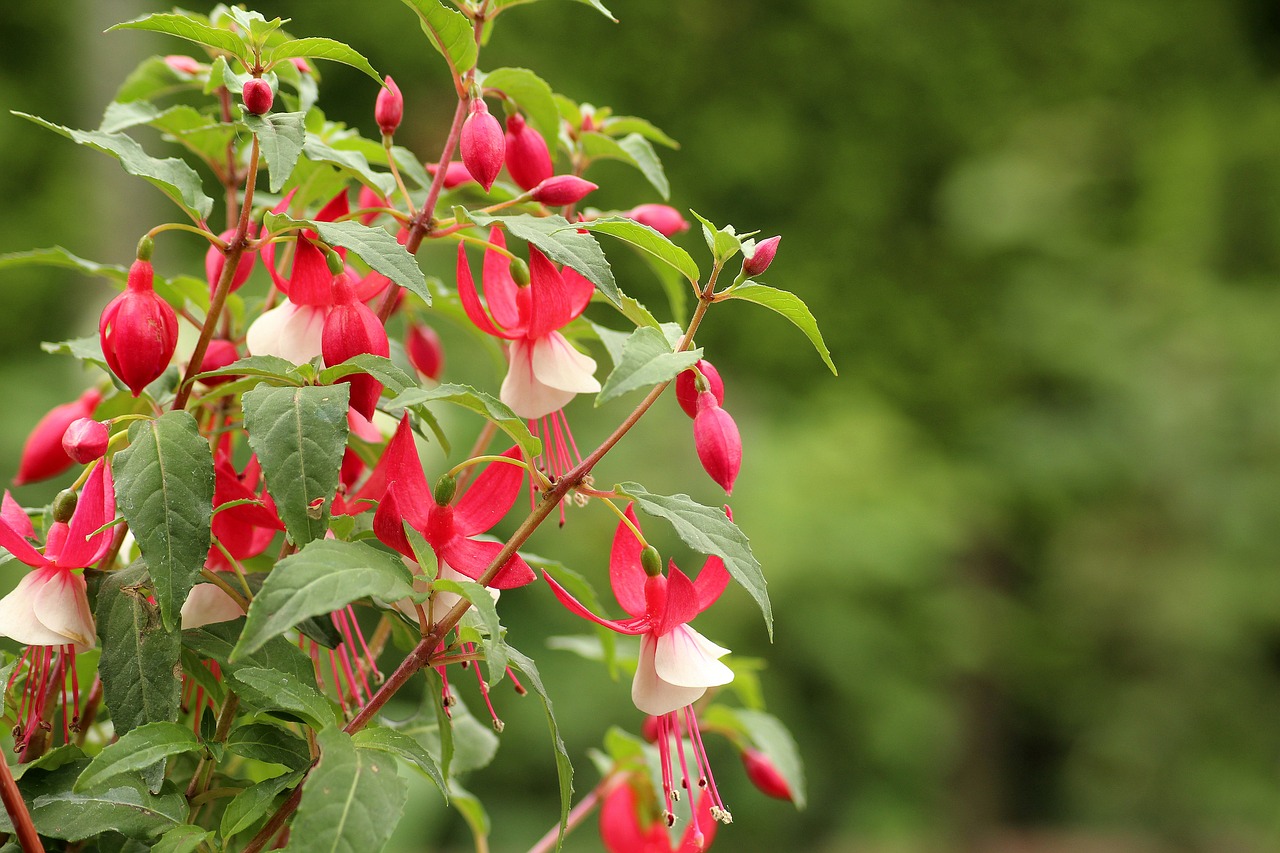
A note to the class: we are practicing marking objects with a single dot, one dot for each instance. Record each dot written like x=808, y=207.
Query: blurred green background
x=1023, y=552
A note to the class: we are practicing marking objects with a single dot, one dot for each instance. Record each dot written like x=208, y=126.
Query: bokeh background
x=1023, y=552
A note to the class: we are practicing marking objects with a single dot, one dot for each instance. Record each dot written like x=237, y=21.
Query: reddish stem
x=17, y=809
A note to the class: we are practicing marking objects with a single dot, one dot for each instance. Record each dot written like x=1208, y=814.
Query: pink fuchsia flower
x=215, y=260
x=455, y=173
x=677, y=664
x=43, y=455
x=183, y=64
x=138, y=330
x=388, y=109
x=482, y=144
x=449, y=528
x=86, y=440
x=764, y=775
x=527, y=156
x=426, y=353
x=664, y=219
x=687, y=390
x=560, y=190
x=718, y=442
x=218, y=355
x=628, y=825
x=258, y=96
x=761, y=256
x=351, y=329
x=244, y=530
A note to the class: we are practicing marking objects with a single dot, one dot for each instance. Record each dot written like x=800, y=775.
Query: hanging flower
x=625, y=829
x=138, y=331
x=43, y=455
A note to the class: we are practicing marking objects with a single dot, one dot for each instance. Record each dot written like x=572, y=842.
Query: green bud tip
x=64, y=506
x=700, y=383
x=520, y=272
x=651, y=560
x=335, y=262
x=146, y=246
x=445, y=488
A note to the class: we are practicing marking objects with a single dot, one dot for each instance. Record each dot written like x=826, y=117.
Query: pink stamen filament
x=704, y=764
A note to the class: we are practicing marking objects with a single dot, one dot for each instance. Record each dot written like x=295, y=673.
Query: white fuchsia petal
x=527, y=396
x=650, y=692
x=686, y=658
x=17, y=613
x=206, y=604
x=558, y=364
x=288, y=331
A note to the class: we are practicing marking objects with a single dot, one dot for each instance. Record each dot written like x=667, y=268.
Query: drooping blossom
x=43, y=455
x=138, y=331
x=48, y=611
x=388, y=109
x=765, y=775
x=86, y=440
x=399, y=456
x=258, y=96
x=677, y=664
x=351, y=329
x=629, y=824
x=761, y=256
x=455, y=173
x=560, y=190
x=246, y=529
x=482, y=144
x=528, y=158
x=218, y=355
x=663, y=218
x=426, y=353
x=719, y=445
x=687, y=389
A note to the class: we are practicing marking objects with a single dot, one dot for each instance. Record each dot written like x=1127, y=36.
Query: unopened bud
x=445, y=488
x=664, y=219
x=183, y=64
x=86, y=440
x=718, y=442
x=146, y=246
x=388, y=110
x=688, y=388
x=761, y=257
x=651, y=560
x=561, y=190
x=258, y=96
x=425, y=351
x=138, y=331
x=651, y=728
x=519, y=272
x=482, y=144
x=527, y=156
x=218, y=355
x=764, y=775
x=64, y=506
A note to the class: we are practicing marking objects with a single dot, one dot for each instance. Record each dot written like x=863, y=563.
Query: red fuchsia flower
x=399, y=456
x=455, y=173
x=719, y=445
x=761, y=256
x=352, y=465
x=561, y=190
x=687, y=389
x=43, y=455
x=425, y=351
x=49, y=609
x=139, y=331
x=528, y=160
x=388, y=109
x=351, y=329
x=677, y=664
x=482, y=144
x=218, y=355
x=247, y=529
x=370, y=198
x=764, y=775
x=628, y=825
x=215, y=260
x=86, y=440
x=183, y=64
x=664, y=219
x=258, y=96
x=449, y=527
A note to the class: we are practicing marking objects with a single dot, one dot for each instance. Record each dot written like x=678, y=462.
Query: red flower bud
x=425, y=352
x=370, y=198
x=258, y=96
x=455, y=173
x=218, y=355
x=42, y=455
x=651, y=728
x=662, y=218
x=85, y=440
x=687, y=388
x=482, y=144
x=301, y=64
x=764, y=775
x=139, y=331
x=215, y=260
x=718, y=442
x=183, y=64
x=351, y=329
x=561, y=190
x=761, y=257
x=388, y=110
x=528, y=160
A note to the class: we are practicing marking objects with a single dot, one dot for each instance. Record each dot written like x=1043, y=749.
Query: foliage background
x=1023, y=551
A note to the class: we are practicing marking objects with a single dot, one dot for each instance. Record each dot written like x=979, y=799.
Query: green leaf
x=280, y=137
x=136, y=750
x=594, y=4
x=564, y=769
x=216, y=641
x=625, y=125
x=632, y=149
x=153, y=78
x=790, y=306
x=402, y=746
x=352, y=162
x=647, y=359
x=324, y=576
x=450, y=33
x=486, y=610
x=122, y=116
x=126, y=806
x=253, y=802
x=265, y=366
x=323, y=48
x=299, y=435
x=722, y=242
x=561, y=242
x=268, y=743
x=183, y=838
x=351, y=801
x=171, y=176
x=771, y=737
x=380, y=368
x=375, y=246
x=649, y=241
x=139, y=657
x=709, y=531
x=467, y=743
x=534, y=96
x=200, y=134
x=186, y=27
x=271, y=689
x=56, y=256
x=164, y=488
x=481, y=403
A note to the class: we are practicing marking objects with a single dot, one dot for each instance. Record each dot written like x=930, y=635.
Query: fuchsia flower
x=215, y=260
x=528, y=160
x=449, y=528
x=718, y=442
x=247, y=529
x=664, y=219
x=764, y=775
x=761, y=256
x=351, y=329
x=687, y=390
x=258, y=96
x=388, y=109
x=425, y=351
x=86, y=440
x=623, y=829
x=677, y=664
x=43, y=455
x=455, y=173
x=139, y=331
x=183, y=64
x=49, y=609
x=562, y=189
x=482, y=144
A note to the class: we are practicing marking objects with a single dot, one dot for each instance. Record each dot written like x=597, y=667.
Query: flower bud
x=664, y=219
x=139, y=331
x=42, y=455
x=64, y=506
x=528, y=160
x=301, y=64
x=519, y=272
x=218, y=355
x=761, y=256
x=651, y=728
x=370, y=198
x=651, y=561
x=717, y=440
x=482, y=144
x=183, y=64
x=215, y=260
x=85, y=440
x=687, y=390
x=455, y=173
x=388, y=110
x=352, y=329
x=425, y=352
x=764, y=775
x=258, y=96
x=445, y=489
x=561, y=190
